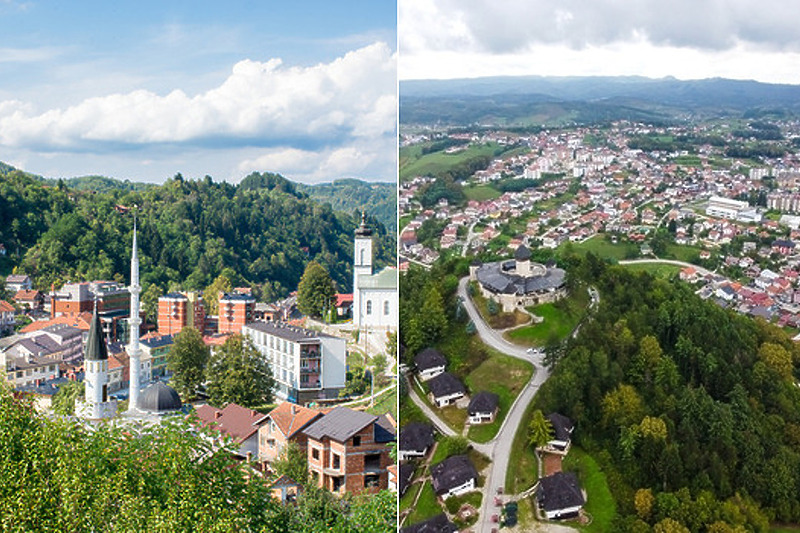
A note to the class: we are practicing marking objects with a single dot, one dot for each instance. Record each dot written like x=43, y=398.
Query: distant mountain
x=105, y=184
x=378, y=199
x=533, y=100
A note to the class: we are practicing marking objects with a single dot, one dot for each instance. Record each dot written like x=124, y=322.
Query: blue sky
x=144, y=90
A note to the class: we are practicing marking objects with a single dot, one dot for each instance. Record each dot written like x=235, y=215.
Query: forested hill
x=693, y=410
x=378, y=199
x=189, y=232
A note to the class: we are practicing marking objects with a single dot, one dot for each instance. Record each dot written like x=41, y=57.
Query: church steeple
x=96, y=404
x=134, y=351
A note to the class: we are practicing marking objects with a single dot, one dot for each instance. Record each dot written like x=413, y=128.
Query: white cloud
x=685, y=38
x=260, y=103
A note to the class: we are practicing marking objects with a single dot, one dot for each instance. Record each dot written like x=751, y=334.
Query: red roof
x=6, y=307
x=26, y=296
x=82, y=322
x=234, y=420
x=342, y=299
x=291, y=418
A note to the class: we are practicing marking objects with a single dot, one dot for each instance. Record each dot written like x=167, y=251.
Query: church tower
x=134, y=351
x=95, y=360
x=362, y=265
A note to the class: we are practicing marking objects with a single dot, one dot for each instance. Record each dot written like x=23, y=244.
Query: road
x=500, y=447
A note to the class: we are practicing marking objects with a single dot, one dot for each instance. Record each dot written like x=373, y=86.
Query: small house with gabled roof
x=429, y=363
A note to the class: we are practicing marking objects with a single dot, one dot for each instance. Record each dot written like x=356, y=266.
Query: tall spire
x=134, y=352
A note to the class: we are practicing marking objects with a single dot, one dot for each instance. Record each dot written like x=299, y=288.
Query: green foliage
x=687, y=398
x=540, y=430
x=189, y=232
x=379, y=200
x=315, y=293
x=60, y=475
x=150, y=297
x=292, y=462
x=187, y=361
x=222, y=283
x=357, y=382
x=237, y=373
x=64, y=399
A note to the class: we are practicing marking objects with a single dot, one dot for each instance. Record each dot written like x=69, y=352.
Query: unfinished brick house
x=348, y=451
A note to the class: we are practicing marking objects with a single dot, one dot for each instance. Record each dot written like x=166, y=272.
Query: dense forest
x=262, y=233
x=693, y=409
x=377, y=199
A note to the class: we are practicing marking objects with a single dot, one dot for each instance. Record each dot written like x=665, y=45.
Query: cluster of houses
x=348, y=451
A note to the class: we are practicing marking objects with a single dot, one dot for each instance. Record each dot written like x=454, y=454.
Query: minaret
x=95, y=360
x=362, y=266
x=134, y=352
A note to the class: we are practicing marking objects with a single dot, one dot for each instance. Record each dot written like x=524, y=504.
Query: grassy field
x=601, y=247
x=682, y=252
x=427, y=506
x=525, y=471
x=505, y=376
x=409, y=412
x=408, y=498
x=687, y=160
x=413, y=164
x=560, y=319
x=599, y=502
x=655, y=269
x=385, y=403
x=481, y=192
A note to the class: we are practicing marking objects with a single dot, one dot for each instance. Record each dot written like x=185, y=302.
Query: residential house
x=429, y=363
x=30, y=299
x=483, y=408
x=7, y=320
x=238, y=422
x=446, y=389
x=562, y=431
x=285, y=489
x=283, y=425
x=348, y=451
x=18, y=282
x=559, y=496
x=416, y=438
x=404, y=476
x=155, y=349
x=454, y=476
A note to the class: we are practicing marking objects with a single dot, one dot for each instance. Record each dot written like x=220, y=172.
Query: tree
x=292, y=462
x=237, y=373
x=540, y=430
x=315, y=292
x=223, y=283
x=150, y=298
x=187, y=361
x=64, y=399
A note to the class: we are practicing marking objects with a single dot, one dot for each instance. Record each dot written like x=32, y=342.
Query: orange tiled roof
x=291, y=422
x=82, y=322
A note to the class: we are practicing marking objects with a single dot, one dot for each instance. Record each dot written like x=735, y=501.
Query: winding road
x=499, y=448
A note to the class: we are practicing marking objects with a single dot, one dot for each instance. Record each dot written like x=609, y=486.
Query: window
x=386, y=307
x=356, y=441
x=369, y=307
x=371, y=480
x=315, y=454
x=362, y=257
x=336, y=461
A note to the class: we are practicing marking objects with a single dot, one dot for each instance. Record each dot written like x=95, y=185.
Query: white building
x=307, y=365
x=374, y=295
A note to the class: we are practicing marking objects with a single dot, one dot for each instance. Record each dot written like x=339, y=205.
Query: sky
x=145, y=90
x=686, y=39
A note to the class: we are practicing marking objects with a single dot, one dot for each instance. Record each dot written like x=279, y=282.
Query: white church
x=375, y=304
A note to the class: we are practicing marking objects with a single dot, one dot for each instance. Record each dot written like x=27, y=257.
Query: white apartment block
x=307, y=365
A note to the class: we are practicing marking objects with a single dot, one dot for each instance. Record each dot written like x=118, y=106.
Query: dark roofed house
x=430, y=363
x=415, y=440
x=446, y=389
x=406, y=472
x=453, y=476
x=483, y=407
x=348, y=451
x=562, y=431
x=559, y=496
x=437, y=524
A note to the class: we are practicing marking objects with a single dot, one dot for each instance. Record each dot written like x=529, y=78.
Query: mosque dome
x=159, y=398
